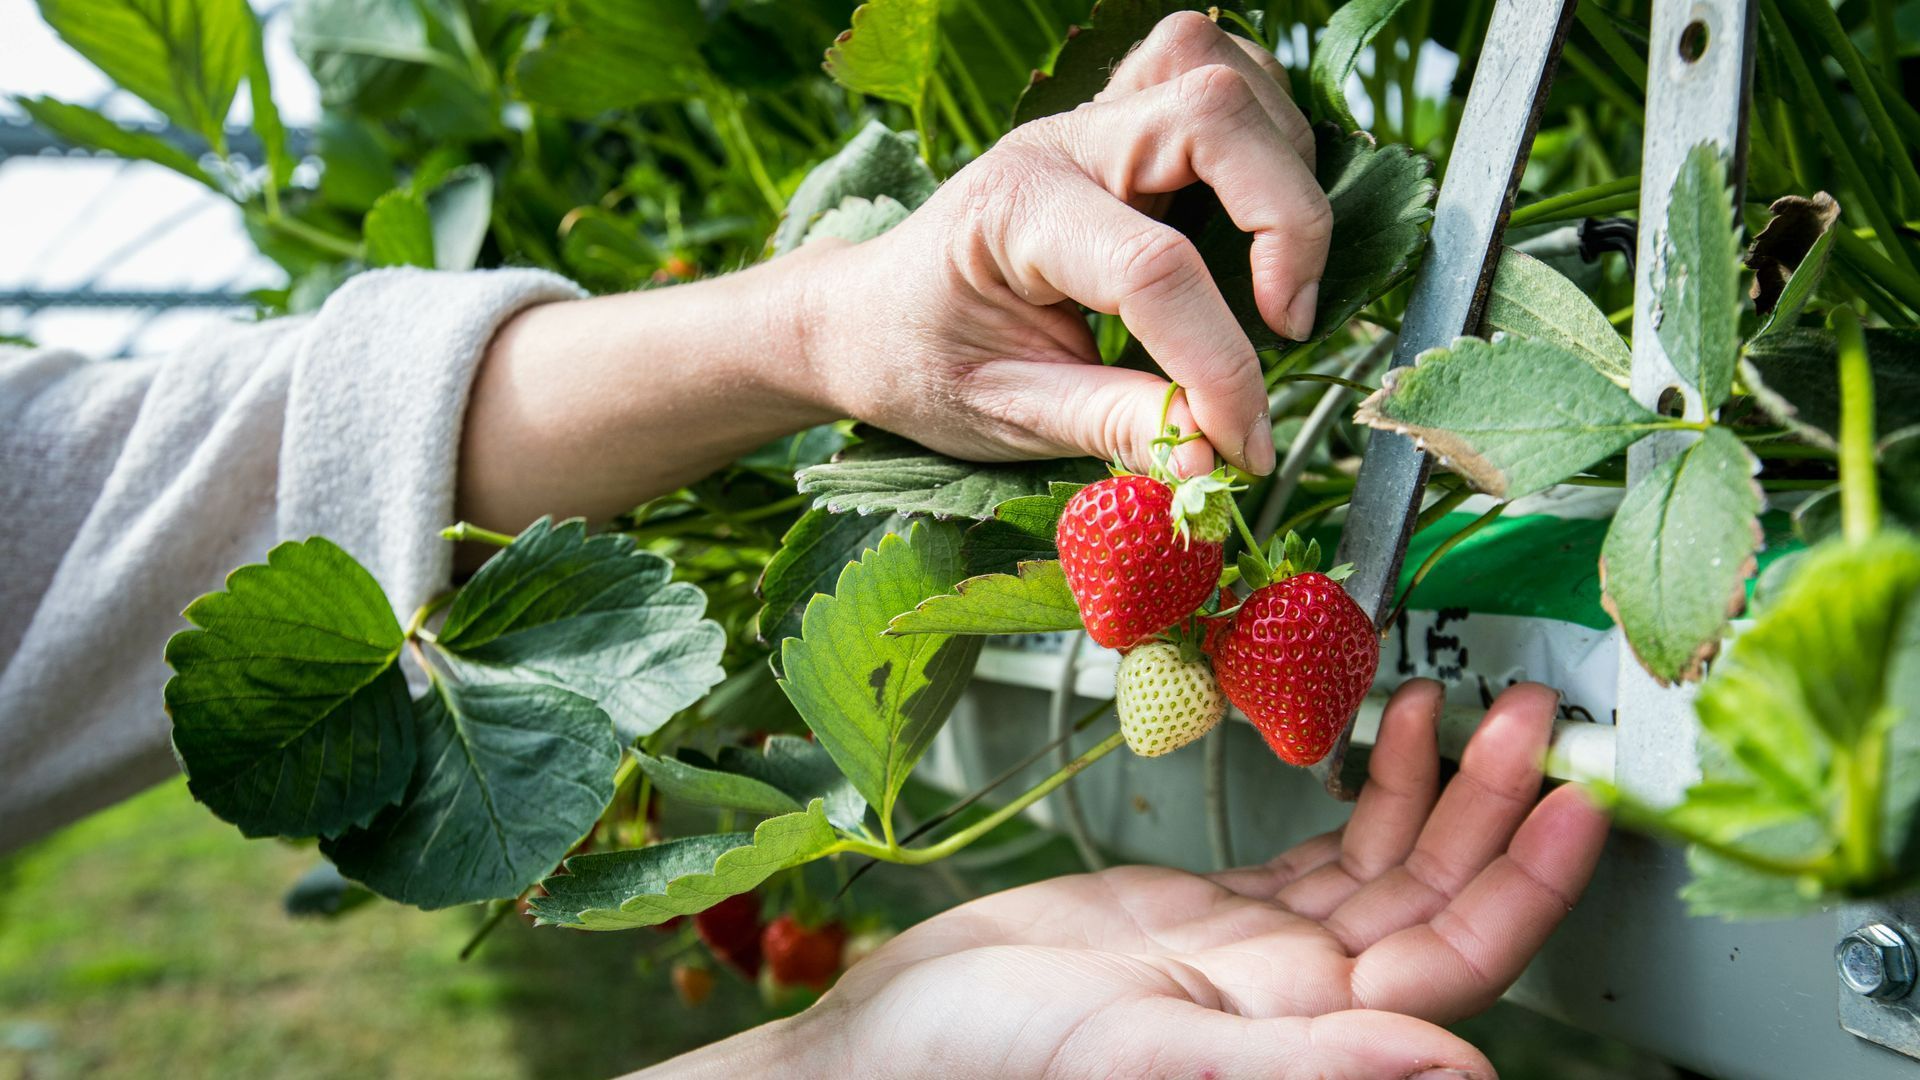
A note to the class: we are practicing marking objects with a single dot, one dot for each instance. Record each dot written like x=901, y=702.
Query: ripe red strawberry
x=800, y=955
x=1297, y=658
x=731, y=929
x=1131, y=573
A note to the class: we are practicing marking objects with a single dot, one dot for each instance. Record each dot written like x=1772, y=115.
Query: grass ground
x=149, y=941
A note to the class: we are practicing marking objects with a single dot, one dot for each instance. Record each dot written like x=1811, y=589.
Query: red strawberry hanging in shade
x=1298, y=656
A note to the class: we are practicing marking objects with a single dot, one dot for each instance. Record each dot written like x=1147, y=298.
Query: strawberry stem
x=1859, y=487
x=960, y=840
x=1246, y=534
x=1434, y=557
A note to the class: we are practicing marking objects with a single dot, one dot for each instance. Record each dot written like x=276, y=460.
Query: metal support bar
x=1503, y=107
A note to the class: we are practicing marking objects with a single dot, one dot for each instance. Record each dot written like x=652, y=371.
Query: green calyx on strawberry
x=1166, y=696
x=1141, y=553
x=1298, y=655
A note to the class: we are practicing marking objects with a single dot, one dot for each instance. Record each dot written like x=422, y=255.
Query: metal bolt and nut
x=1876, y=961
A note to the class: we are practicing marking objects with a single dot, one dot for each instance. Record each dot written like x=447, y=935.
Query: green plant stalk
x=307, y=234
x=1818, y=97
x=959, y=841
x=1603, y=81
x=1819, y=14
x=1246, y=532
x=1324, y=506
x=1600, y=24
x=1445, y=505
x=1583, y=203
x=1331, y=380
x=462, y=531
x=1863, y=771
x=1902, y=284
x=1439, y=552
x=1859, y=486
x=957, y=120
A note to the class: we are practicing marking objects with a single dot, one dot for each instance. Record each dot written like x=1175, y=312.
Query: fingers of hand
x=1169, y=1036
x=1403, y=780
x=1066, y=409
x=1210, y=125
x=1498, y=782
x=1120, y=261
x=1187, y=40
x=1462, y=960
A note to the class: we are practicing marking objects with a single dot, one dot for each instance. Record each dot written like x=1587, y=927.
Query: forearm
x=590, y=407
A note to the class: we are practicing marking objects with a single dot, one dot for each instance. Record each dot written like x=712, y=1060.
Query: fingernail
x=1257, y=450
x=1302, y=312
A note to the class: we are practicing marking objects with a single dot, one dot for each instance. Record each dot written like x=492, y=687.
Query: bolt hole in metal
x=1693, y=41
x=1672, y=403
x=1876, y=961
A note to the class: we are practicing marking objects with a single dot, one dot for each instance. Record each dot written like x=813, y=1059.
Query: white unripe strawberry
x=1164, y=700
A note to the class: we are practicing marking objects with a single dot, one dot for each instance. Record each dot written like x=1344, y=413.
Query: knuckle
x=1181, y=31
x=1315, y=222
x=1157, y=259
x=1217, y=92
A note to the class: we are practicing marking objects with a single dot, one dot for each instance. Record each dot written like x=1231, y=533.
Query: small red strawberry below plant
x=731, y=930
x=692, y=984
x=799, y=955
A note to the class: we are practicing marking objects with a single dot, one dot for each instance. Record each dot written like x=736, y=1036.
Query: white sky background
x=68, y=219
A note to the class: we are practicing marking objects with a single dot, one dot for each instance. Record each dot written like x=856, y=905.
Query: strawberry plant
x=770, y=652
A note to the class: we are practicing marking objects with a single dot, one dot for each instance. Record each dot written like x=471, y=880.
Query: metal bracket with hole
x=1450, y=292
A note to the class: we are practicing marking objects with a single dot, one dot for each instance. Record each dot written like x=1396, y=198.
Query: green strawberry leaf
x=1348, y=33
x=1533, y=300
x=857, y=219
x=889, y=51
x=810, y=559
x=875, y=162
x=1791, y=374
x=1513, y=416
x=1086, y=59
x=83, y=127
x=399, y=231
x=620, y=890
x=594, y=615
x=1020, y=530
x=1382, y=198
x=1675, y=563
x=509, y=777
x=1830, y=669
x=805, y=771
x=1035, y=600
x=289, y=709
x=887, y=474
x=365, y=55
x=876, y=702
x=608, y=56
x=1789, y=256
x=184, y=59
x=1698, y=277
x=683, y=781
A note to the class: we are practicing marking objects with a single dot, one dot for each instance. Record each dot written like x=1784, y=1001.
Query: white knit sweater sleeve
x=127, y=488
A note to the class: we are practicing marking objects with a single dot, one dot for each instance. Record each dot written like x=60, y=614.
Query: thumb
x=1074, y=409
x=1173, y=1037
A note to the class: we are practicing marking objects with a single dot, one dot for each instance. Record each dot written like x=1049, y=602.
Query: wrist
x=804, y=1045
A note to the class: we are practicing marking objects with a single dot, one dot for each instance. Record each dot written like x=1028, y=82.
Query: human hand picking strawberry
x=1334, y=960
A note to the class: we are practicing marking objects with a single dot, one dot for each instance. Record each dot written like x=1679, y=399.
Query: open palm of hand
x=1336, y=959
